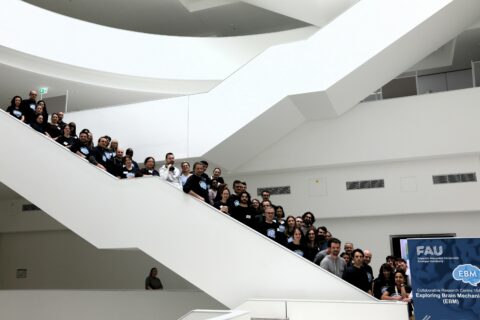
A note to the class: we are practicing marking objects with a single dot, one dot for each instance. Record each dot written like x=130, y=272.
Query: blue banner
x=445, y=278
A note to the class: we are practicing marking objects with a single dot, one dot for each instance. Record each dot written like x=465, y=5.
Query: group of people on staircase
x=297, y=233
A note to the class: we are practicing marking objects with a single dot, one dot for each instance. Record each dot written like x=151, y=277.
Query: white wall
x=101, y=305
x=63, y=260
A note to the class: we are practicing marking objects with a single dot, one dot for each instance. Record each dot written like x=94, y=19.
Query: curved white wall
x=61, y=39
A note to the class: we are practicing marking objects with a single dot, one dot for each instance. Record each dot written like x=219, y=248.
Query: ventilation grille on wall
x=365, y=184
x=274, y=190
x=30, y=207
x=455, y=178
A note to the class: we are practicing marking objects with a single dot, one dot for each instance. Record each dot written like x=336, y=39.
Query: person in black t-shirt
x=217, y=172
x=128, y=171
x=243, y=212
x=196, y=184
x=15, y=108
x=28, y=106
x=66, y=139
x=356, y=274
x=297, y=245
x=152, y=282
x=102, y=155
x=81, y=147
x=37, y=125
x=149, y=169
x=53, y=128
x=269, y=228
x=222, y=203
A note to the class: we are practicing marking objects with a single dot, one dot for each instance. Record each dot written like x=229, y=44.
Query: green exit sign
x=43, y=90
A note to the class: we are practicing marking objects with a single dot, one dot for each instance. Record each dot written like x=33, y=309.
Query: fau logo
x=429, y=251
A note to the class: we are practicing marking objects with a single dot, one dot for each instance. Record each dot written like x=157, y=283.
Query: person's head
x=269, y=214
x=243, y=185
x=237, y=187
x=401, y=264
x=89, y=137
x=119, y=153
x=73, y=128
x=33, y=95
x=291, y=222
x=255, y=204
x=60, y=116
x=114, y=144
x=266, y=204
x=297, y=235
x=328, y=235
x=321, y=233
x=205, y=165
x=198, y=168
x=279, y=213
x=266, y=195
x=16, y=101
x=385, y=271
x=54, y=118
x=217, y=172
x=185, y=167
x=169, y=159
x=348, y=247
x=367, y=256
x=83, y=137
x=42, y=103
x=311, y=235
x=127, y=161
x=308, y=218
x=399, y=278
x=357, y=256
x=214, y=184
x=225, y=194
x=345, y=257
x=39, y=109
x=149, y=163
x=334, y=245
x=39, y=118
x=391, y=261
x=102, y=142
x=129, y=152
x=66, y=131
x=299, y=221
x=153, y=272
x=244, y=197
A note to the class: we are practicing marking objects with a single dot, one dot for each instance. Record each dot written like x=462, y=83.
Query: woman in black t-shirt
x=312, y=245
x=297, y=245
x=53, y=127
x=222, y=204
x=400, y=291
x=289, y=228
x=14, y=108
x=149, y=169
x=66, y=140
x=383, y=281
x=37, y=125
x=129, y=170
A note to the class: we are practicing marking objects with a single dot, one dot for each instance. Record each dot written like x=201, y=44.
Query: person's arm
x=386, y=296
x=187, y=188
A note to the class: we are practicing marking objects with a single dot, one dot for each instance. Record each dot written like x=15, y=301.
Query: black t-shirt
x=54, y=130
x=369, y=272
x=66, y=142
x=128, y=173
x=198, y=185
x=271, y=230
x=299, y=249
x=83, y=148
x=146, y=172
x=37, y=127
x=357, y=277
x=380, y=285
x=311, y=252
x=28, y=109
x=17, y=113
x=102, y=156
x=245, y=215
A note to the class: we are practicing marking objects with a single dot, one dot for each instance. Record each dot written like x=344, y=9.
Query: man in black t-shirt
x=243, y=212
x=269, y=228
x=80, y=147
x=102, y=155
x=28, y=106
x=196, y=184
x=356, y=274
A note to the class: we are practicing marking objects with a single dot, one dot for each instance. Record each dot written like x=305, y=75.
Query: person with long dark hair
x=383, y=281
x=152, y=282
x=15, y=108
x=400, y=291
x=297, y=245
x=38, y=125
x=66, y=139
x=311, y=244
x=149, y=169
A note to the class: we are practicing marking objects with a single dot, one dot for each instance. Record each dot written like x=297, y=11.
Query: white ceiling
x=170, y=17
